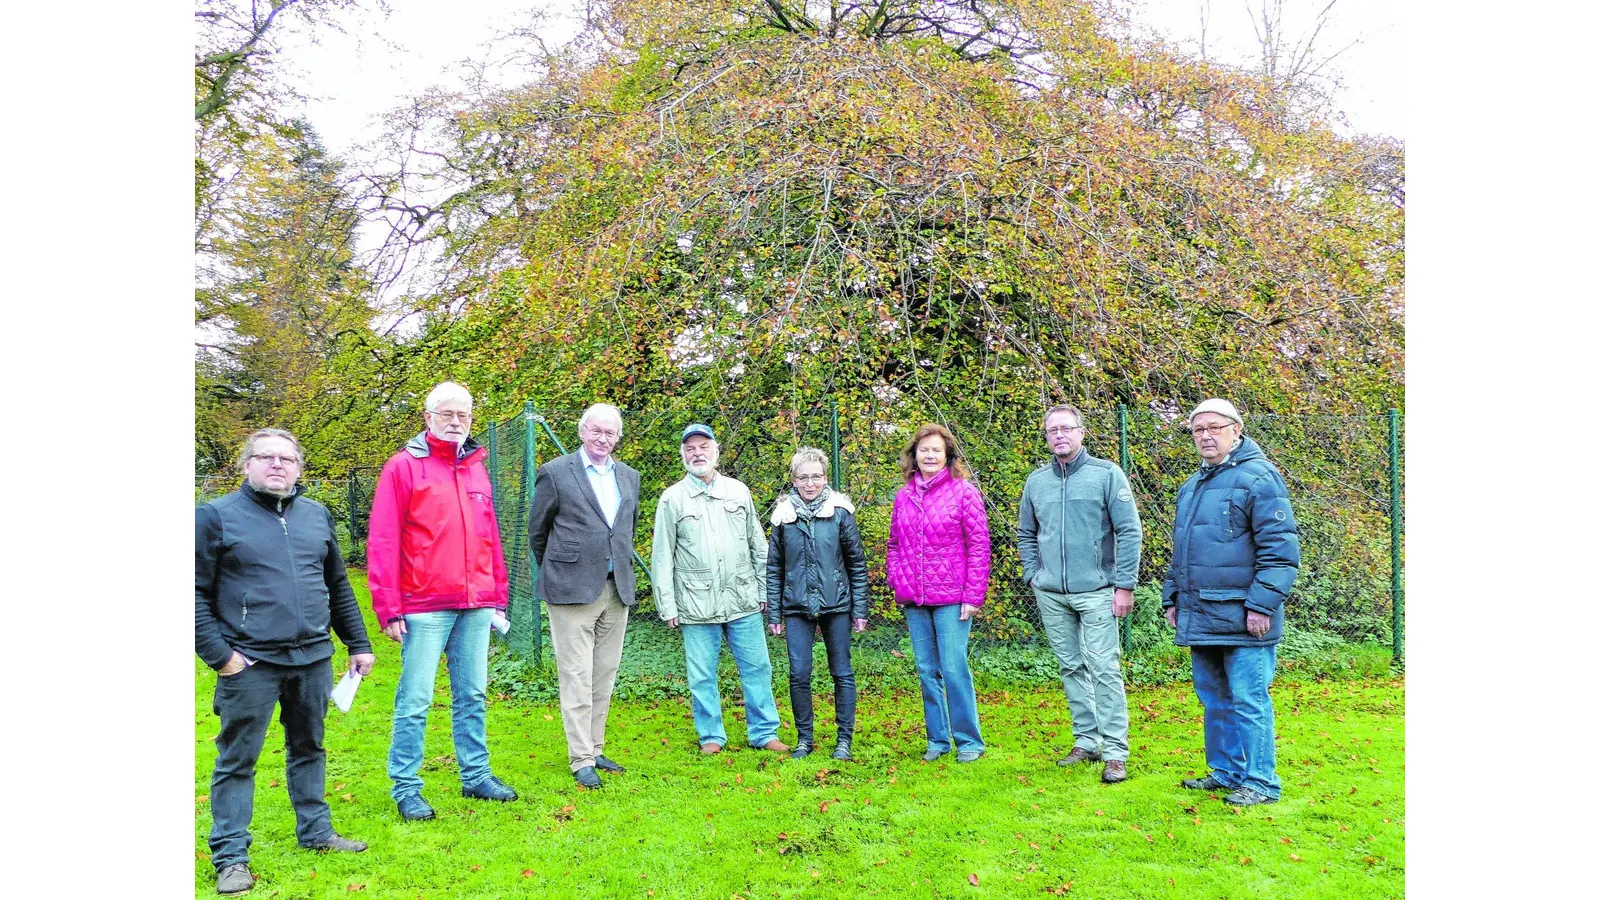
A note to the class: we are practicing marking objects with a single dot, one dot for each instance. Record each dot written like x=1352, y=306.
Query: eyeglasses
x=1212, y=430
x=1062, y=429
x=450, y=416
x=602, y=433
x=809, y=479
x=273, y=459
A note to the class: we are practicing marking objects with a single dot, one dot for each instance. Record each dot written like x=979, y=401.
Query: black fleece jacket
x=269, y=580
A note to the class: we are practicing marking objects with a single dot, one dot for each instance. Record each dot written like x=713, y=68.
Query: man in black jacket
x=269, y=581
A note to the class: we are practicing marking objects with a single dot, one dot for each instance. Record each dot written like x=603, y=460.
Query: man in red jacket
x=437, y=575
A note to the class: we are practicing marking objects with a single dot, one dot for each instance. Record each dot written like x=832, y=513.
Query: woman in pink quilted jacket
x=938, y=567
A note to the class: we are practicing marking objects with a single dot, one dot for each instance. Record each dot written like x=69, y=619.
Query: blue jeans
x=1232, y=684
x=939, y=643
x=462, y=635
x=702, y=644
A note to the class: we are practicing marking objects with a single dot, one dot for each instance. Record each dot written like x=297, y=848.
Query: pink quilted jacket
x=938, y=543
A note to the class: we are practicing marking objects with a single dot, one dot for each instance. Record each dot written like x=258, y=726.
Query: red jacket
x=938, y=543
x=433, y=542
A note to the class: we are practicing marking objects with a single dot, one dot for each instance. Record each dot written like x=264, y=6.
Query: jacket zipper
x=288, y=543
x=1066, y=583
x=466, y=553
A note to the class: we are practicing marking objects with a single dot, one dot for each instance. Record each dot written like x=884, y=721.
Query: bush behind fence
x=1338, y=468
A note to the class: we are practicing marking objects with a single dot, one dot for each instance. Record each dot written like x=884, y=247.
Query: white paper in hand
x=344, y=693
x=500, y=623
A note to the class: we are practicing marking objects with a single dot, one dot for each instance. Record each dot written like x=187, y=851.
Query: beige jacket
x=707, y=551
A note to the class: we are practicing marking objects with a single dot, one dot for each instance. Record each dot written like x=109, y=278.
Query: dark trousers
x=800, y=633
x=244, y=702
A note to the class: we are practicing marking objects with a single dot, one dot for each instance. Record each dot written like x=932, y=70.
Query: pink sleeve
x=891, y=556
x=975, y=526
x=388, y=519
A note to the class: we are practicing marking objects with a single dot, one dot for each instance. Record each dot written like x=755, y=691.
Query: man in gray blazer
x=585, y=509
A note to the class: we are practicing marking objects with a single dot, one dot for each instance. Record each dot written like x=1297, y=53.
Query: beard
x=700, y=471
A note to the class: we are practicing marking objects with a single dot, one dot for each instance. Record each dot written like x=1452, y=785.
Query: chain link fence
x=1344, y=475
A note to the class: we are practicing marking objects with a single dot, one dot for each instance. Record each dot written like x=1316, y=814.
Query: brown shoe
x=1116, y=770
x=710, y=748
x=776, y=746
x=1079, y=755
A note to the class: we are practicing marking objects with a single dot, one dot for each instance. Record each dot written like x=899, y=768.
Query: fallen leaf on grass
x=823, y=807
x=355, y=887
x=1294, y=857
x=1244, y=860
x=202, y=798
x=1284, y=840
x=972, y=879
x=881, y=862
x=527, y=873
x=548, y=717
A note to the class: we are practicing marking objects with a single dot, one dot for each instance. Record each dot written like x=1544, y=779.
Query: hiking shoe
x=414, y=808
x=843, y=752
x=710, y=747
x=1116, y=770
x=235, y=879
x=1246, y=797
x=1208, y=783
x=338, y=844
x=968, y=755
x=933, y=754
x=490, y=788
x=1079, y=755
x=608, y=765
x=801, y=750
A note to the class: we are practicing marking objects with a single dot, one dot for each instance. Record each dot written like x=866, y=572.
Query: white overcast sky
x=352, y=79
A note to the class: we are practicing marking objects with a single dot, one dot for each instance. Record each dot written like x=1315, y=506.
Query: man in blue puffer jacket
x=1235, y=554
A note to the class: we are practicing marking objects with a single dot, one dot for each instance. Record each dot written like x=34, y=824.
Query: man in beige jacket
x=707, y=551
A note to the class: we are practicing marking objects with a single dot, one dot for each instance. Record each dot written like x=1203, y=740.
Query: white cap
x=1221, y=408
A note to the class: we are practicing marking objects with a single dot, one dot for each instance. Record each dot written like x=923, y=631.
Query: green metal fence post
x=351, y=498
x=1396, y=587
x=833, y=421
x=525, y=629
x=1122, y=460
x=494, y=459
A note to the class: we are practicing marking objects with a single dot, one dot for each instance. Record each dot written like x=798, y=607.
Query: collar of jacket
x=927, y=485
x=698, y=487
x=268, y=501
x=425, y=445
x=1071, y=467
x=1244, y=452
x=783, y=511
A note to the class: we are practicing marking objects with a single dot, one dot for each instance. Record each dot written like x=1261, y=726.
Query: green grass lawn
x=749, y=824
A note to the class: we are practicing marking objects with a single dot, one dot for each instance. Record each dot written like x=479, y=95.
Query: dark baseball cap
x=697, y=428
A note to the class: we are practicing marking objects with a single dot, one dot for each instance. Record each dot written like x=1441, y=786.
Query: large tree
x=954, y=202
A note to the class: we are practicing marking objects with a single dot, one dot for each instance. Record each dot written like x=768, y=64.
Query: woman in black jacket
x=817, y=581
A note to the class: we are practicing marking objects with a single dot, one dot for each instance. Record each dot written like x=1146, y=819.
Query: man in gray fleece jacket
x=1079, y=538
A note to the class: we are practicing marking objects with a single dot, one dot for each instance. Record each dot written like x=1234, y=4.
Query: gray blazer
x=569, y=535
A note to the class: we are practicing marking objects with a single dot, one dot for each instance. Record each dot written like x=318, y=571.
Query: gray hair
x=1077, y=414
x=601, y=409
x=807, y=455
x=444, y=393
x=250, y=445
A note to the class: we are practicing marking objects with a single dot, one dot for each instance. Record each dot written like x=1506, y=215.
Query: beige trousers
x=587, y=639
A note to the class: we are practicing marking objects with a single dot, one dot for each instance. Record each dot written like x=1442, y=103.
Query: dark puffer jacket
x=835, y=541
x=1235, y=547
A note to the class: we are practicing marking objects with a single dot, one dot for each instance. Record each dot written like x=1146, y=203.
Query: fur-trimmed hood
x=783, y=512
